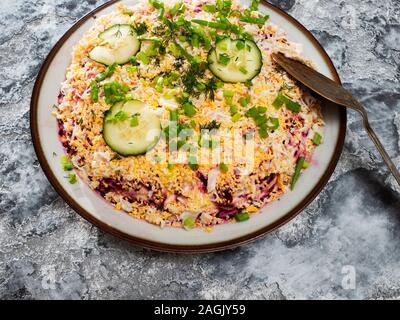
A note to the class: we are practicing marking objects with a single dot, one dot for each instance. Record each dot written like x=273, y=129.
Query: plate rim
x=158, y=246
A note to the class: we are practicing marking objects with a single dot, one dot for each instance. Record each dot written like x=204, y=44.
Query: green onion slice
x=299, y=167
x=242, y=216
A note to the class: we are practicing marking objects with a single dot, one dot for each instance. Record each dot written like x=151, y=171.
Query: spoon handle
x=335, y=93
x=386, y=158
x=382, y=151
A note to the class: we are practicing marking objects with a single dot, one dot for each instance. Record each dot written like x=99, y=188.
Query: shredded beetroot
x=61, y=131
x=270, y=178
x=204, y=181
x=140, y=193
x=61, y=96
x=107, y=185
x=64, y=140
x=237, y=173
x=227, y=212
x=266, y=190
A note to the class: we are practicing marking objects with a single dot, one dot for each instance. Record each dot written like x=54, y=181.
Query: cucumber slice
x=235, y=60
x=119, y=44
x=127, y=139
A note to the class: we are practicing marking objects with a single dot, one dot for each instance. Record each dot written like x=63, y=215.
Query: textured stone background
x=47, y=251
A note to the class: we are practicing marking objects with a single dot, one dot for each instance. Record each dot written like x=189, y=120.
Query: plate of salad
x=169, y=125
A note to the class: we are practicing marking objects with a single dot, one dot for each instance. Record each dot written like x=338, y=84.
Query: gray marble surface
x=352, y=229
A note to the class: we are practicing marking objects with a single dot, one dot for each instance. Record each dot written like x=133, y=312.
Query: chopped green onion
x=170, y=166
x=66, y=165
x=205, y=39
x=237, y=30
x=261, y=119
x=262, y=109
x=189, y=109
x=195, y=42
x=193, y=163
x=263, y=131
x=115, y=92
x=143, y=57
x=224, y=7
x=228, y=94
x=210, y=24
x=72, y=178
x=274, y=123
x=219, y=84
x=240, y=45
x=152, y=49
x=132, y=69
x=224, y=59
x=153, y=39
x=317, y=139
x=236, y=117
x=94, y=91
x=242, y=216
x=252, y=113
x=279, y=101
x=185, y=53
x=177, y=9
x=189, y=223
x=299, y=167
x=174, y=50
x=244, y=102
x=156, y=4
x=181, y=21
x=121, y=116
x=233, y=109
x=107, y=73
x=173, y=116
x=247, y=36
x=249, y=19
x=223, y=167
x=133, y=59
x=210, y=8
x=169, y=95
x=201, y=86
x=134, y=121
x=258, y=115
x=161, y=14
x=254, y=5
x=291, y=105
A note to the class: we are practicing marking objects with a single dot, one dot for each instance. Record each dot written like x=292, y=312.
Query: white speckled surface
x=48, y=251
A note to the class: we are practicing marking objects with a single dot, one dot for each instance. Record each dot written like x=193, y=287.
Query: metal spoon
x=335, y=93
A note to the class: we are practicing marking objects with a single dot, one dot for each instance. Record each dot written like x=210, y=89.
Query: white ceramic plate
x=96, y=210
